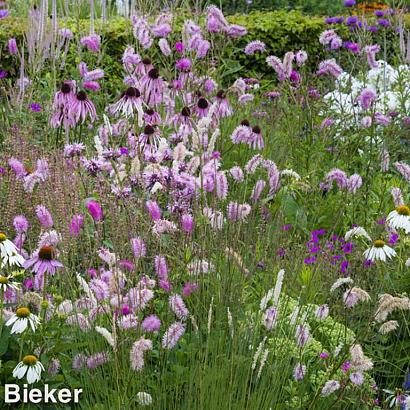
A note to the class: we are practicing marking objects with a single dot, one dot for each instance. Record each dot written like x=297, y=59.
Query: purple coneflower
x=152, y=86
x=80, y=106
x=129, y=103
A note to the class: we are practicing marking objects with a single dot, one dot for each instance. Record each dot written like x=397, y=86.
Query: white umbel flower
x=8, y=252
x=21, y=319
x=357, y=231
x=379, y=251
x=29, y=367
x=400, y=218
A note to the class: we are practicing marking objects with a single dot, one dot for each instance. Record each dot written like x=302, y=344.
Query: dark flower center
x=146, y=61
x=149, y=130
x=203, y=103
x=3, y=237
x=245, y=122
x=153, y=73
x=186, y=112
x=132, y=92
x=256, y=129
x=220, y=94
x=81, y=95
x=149, y=111
x=46, y=253
x=65, y=88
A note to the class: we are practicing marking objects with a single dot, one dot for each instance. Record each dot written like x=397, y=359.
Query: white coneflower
x=29, y=367
x=339, y=282
x=399, y=218
x=9, y=253
x=262, y=362
x=357, y=232
x=388, y=304
x=388, y=327
x=21, y=319
x=359, y=362
x=330, y=387
x=379, y=251
x=144, y=399
x=355, y=295
x=106, y=335
x=6, y=283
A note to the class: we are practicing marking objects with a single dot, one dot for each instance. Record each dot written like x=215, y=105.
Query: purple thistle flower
x=92, y=42
x=151, y=324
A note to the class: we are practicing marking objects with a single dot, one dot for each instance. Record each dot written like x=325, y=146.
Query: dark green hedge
x=281, y=31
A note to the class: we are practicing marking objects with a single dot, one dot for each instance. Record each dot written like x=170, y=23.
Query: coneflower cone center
x=132, y=92
x=3, y=237
x=379, y=243
x=46, y=253
x=22, y=312
x=81, y=95
x=30, y=360
x=202, y=103
x=3, y=280
x=403, y=210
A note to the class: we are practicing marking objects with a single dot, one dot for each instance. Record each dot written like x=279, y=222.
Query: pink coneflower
x=150, y=137
x=80, y=107
x=184, y=121
x=202, y=107
x=223, y=107
x=152, y=86
x=42, y=261
x=151, y=117
x=61, y=104
x=257, y=138
x=129, y=103
x=172, y=335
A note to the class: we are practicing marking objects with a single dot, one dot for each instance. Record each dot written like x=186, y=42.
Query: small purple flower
x=309, y=261
x=343, y=267
x=324, y=355
x=287, y=227
x=281, y=252
x=345, y=366
x=183, y=64
x=124, y=151
x=12, y=46
x=3, y=13
x=349, y=3
x=347, y=247
x=179, y=47
x=383, y=22
x=35, y=107
x=379, y=13
x=352, y=21
x=3, y=74
x=394, y=237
